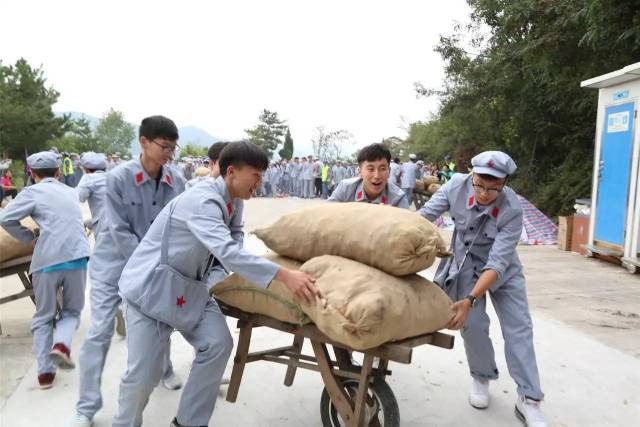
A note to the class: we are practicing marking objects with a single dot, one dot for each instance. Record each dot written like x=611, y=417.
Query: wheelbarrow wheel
x=381, y=406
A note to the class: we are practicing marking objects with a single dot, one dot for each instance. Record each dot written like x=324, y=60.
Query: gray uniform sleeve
x=214, y=234
x=339, y=194
x=236, y=226
x=403, y=202
x=505, y=243
x=126, y=241
x=83, y=189
x=437, y=204
x=20, y=207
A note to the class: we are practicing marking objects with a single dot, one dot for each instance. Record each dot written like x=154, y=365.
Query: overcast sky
x=216, y=65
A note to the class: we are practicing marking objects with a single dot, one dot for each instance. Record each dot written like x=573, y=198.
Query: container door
x=615, y=173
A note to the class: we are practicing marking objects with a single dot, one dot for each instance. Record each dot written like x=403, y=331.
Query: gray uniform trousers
x=105, y=302
x=147, y=339
x=409, y=193
x=45, y=290
x=307, y=188
x=510, y=303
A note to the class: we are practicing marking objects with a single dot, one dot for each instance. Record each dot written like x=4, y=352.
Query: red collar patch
x=472, y=199
x=139, y=178
x=383, y=200
x=230, y=208
x=495, y=212
x=359, y=196
x=168, y=179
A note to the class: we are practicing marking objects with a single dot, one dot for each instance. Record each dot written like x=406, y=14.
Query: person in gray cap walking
x=488, y=224
x=93, y=187
x=59, y=261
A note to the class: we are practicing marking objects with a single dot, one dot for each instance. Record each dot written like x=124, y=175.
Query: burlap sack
x=363, y=307
x=419, y=186
x=397, y=241
x=428, y=180
x=275, y=301
x=11, y=248
x=433, y=188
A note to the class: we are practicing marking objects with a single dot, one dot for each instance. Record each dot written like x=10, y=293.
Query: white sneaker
x=528, y=411
x=479, y=394
x=81, y=421
x=171, y=382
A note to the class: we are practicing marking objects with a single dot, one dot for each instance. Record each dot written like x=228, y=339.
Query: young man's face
x=158, y=150
x=215, y=168
x=374, y=176
x=487, y=191
x=243, y=182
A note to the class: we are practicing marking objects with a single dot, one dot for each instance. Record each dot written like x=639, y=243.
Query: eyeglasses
x=488, y=191
x=168, y=149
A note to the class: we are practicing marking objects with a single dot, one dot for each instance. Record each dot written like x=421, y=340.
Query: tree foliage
x=192, y=150
x=332, y=145
x=114, y=133
x=520, y=90
x=269, y=131
x=79, y=138
x=287, y=150
x=27, y=122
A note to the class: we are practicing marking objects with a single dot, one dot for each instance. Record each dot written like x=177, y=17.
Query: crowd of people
x=163, y=241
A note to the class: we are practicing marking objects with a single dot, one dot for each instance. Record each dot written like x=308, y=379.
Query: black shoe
x=175, y=423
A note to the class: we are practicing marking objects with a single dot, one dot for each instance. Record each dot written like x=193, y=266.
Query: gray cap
x=43, y=160
x=494, y=163
x=91, y=160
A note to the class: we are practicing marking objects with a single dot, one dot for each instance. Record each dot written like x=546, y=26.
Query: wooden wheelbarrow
x=353, y=395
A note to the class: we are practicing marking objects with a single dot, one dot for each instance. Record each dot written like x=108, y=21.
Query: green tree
x=27, y=122
x=268, y=132
x=79, y=138
x=114, y=133
x=287, y=150
x=192, y=150
x=517, y=89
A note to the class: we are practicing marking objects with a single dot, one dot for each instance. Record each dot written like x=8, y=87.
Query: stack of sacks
x=420, y=187
x=364, y=258
x=11, y=248
x=433, y=188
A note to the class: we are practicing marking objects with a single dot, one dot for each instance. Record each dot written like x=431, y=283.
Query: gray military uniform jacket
x=205, y=230
x=352, y=190
x=131, y=205
x=55, y=208
x=409, y=175
x=498, y=228
x=93, y=187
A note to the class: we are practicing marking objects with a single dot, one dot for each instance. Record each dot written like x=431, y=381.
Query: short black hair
x=374, y=152
x=45, y=173
x=158, y=127
x=215, y=150
x=243, y=153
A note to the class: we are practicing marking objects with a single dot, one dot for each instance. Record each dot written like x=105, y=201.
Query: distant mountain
x=188, y=134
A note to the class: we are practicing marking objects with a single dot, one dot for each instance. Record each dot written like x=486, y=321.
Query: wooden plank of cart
x=353, y=395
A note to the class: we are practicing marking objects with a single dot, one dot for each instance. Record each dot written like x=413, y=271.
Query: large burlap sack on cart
x=364, y=307
x=394, y=240
x=11, y=248
x=276, y=301
x=419, y=186
x=433, y=188
x=428, y=180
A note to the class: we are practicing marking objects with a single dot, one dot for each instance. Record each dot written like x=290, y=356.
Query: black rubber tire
x=379, y=390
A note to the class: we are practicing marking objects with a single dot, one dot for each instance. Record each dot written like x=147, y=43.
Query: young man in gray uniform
x=307, y=177
x=373, y=185
x=93, y=187
x=488, y=225
x=164, y=287
x=137, y=191
x=59, y=260
x=408, y=177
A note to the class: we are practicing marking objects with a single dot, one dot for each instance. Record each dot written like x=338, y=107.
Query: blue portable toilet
x=615, y=196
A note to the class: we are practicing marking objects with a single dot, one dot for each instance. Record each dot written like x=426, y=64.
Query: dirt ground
x=586, y=296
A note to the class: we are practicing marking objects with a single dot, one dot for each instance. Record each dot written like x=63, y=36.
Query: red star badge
x=139, y=177
x=180, y=301
x=490, y=163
